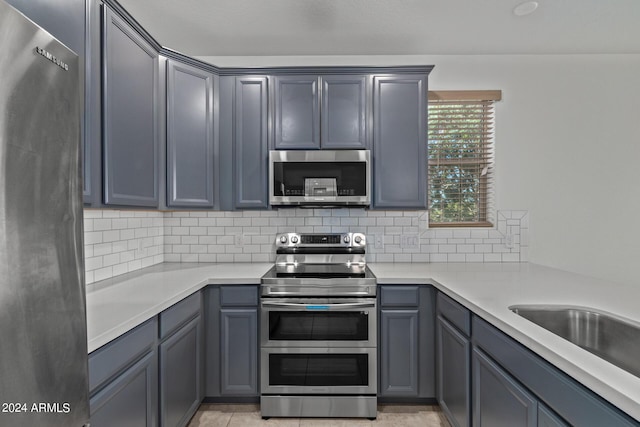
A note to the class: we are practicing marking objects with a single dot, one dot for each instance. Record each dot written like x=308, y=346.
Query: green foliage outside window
x=460, y=162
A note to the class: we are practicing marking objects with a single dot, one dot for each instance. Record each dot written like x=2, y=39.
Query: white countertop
x=490, y=289
x=117, y=305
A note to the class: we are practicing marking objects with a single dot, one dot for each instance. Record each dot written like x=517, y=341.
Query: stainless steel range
x=319, y=329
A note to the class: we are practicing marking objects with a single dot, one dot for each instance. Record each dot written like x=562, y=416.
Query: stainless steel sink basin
x=614, y=339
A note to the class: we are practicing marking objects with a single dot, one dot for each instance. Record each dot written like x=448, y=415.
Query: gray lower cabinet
x=453, y=360
x=250, y=143
x=189, y=136
x=500, y=361
x=399, y=353
x=231, y=315
x=406, y=342
x=547, y=418
x=400, y=141
x=123, y=380
x=239, y=351
x=130, y=399
x=480, y=367
x=453, y=367
x=130, y=78
x=181, y=362
x=499, y=401
x=152, y=375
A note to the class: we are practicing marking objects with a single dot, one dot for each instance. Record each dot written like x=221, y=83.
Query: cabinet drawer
x=109, y=360
x=399, y=296
x=456, y=314
x=238, y=296
x=180, y=313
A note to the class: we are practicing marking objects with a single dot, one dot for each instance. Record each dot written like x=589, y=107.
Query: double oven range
x=318, y=329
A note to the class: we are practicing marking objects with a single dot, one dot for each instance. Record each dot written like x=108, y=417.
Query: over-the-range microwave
x=331, y=178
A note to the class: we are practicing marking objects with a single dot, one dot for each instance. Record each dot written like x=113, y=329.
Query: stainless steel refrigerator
x=43, y=341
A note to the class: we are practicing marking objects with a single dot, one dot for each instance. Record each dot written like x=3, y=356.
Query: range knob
x=294, y=239
x=358, y=239
x=346, y=238
x=283, y=239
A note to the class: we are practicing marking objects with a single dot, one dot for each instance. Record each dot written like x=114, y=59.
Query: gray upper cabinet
x=313, y=112
x=344, y=112
x=250, y=148
x=189, y=136
x=400, y=142
x=297, y=112
x=130, y=98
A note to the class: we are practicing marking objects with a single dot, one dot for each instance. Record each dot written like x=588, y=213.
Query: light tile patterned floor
x=219, y=415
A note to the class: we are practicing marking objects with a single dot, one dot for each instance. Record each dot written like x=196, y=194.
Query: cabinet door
x=297, y=113
x=400, y=142
x=180, y=374
x=251, y=150
x=399, y=353
x=189, y=136
x=498, y=400
x=344, y=112
x=130, y=400
x=130, y=85
x=548, y=418
x=454, y=374
x=239, y=352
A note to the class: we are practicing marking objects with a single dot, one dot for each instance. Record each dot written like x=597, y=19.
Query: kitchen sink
x=614, y=339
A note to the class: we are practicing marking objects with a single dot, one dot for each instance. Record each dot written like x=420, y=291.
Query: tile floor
x=248, y=415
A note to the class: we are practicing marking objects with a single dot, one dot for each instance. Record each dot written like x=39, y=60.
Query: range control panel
x=344, y=240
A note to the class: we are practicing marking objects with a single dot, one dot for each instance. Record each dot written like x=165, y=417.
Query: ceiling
x=388, y=27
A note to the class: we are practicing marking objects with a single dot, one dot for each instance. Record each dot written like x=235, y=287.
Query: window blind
x=461, y=157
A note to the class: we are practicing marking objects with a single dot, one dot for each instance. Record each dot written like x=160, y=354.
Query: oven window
x=318, y=369
x=318, y=326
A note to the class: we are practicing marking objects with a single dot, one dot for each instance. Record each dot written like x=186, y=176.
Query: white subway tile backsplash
x=491, y=257
x=421, y=257
x=445, y=249
x=438, y=257
x=511, y=257
x=479, y=234
x=456, y=258
x=465, y=248
x=117, y=242
x=461, y=234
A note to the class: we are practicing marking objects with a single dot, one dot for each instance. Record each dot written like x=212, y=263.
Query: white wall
x=567, y=147
x=567, y=150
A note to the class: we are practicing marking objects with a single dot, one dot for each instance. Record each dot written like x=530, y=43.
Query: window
x=460, y=164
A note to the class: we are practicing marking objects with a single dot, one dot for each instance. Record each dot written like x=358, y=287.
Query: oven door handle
x=320, y=307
